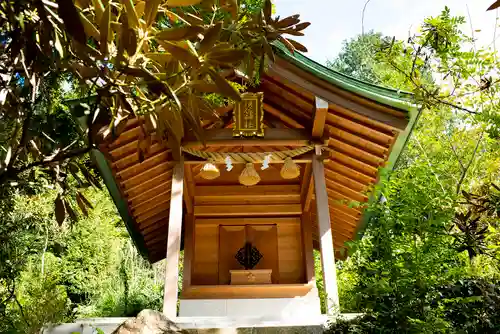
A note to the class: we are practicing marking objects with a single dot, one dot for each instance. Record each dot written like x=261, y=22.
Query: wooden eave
x=300, y=109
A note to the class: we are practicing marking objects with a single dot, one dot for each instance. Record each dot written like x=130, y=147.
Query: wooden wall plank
x=232, y=238
x=307, y=244
x=247, y=210
x=247, y=291
x=205, y=269
x=290, y=254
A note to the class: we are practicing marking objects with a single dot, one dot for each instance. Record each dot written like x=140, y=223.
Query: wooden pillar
x=326, y=237
x=173, y=243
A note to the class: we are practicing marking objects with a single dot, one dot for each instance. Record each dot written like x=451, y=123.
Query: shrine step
x=209, y=325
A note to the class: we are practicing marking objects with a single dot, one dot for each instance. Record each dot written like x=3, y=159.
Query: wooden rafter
x=314, y=85
x=320, y=112
x=282, y=116
x=272, y=137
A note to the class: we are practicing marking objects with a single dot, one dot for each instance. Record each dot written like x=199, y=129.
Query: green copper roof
x=387, y=96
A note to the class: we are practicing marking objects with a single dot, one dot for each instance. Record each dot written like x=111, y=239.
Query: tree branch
x=464, y=172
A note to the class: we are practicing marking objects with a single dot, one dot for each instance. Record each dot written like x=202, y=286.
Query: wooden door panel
x=232, y=238
x=265, y=239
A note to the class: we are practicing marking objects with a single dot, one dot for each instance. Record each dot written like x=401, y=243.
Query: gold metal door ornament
x=248, y=116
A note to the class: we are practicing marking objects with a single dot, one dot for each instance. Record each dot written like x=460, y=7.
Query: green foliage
x=412, y=272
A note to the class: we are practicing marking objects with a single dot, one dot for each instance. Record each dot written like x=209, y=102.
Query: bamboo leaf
x=181, y=3
x=210, y=38
x=60, y=210
x=133, y=20
x=224, y=87
x=72, y=22
x=105, y=27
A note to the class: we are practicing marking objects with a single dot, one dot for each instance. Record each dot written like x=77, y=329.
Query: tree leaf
x=302, y=26
x=133, y=20
x=105, y=27
x=181, y=3
x=139, y=8
x=268, y=10
x=150, y=11
x=180, y=33
x=297, y=45
x=210, y=38
x=71, y=213
x=495, y=5
x=288, y=21
x=72, y=22
x=60, y=210
x=81, y=204
x=224, y=87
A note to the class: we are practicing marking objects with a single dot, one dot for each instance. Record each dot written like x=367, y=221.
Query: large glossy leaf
x=90, y=28
x=99, y=9
x=210, y=38
x=228, y=57
x=133, y=20
x=72, y=22
x=180, y=53
x=297, y=45
x=150, y=11
x=224, y=87
x=180, y=33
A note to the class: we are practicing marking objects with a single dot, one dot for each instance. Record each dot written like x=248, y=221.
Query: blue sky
x=334, y=21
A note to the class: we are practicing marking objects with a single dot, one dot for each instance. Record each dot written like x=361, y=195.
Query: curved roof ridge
x=384, y=95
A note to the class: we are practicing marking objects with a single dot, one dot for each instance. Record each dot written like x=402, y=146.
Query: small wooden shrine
x=277, y=178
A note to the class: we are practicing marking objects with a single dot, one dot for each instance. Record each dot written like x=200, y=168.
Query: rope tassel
x=209, y=170
x=290, y=170
x=249, y=176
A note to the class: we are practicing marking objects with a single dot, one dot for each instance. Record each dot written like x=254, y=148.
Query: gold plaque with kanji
x=248, y=115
